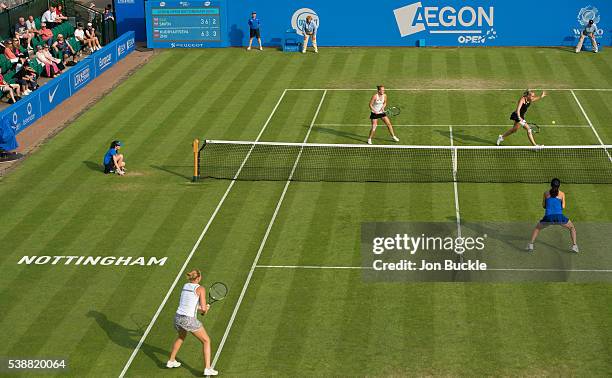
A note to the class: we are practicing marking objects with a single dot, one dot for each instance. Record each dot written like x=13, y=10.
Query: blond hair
x=308, y=18
x=193, y=275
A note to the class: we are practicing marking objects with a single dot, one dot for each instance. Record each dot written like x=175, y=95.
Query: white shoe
x=260, y=48
x=499, y=139
x=248, y=48
x=210, y=371
x=530, y=247
x=172, y=364
x=575, y=249
x=595, y=51
x=303, y=51
x=317, y=51
x=395, y=139
x=369, y=141
x=577, y=51
x=120, y=172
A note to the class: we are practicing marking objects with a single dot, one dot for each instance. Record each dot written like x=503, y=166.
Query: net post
x=196, y=160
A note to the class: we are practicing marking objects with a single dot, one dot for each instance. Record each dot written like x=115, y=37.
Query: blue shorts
x=554, y=219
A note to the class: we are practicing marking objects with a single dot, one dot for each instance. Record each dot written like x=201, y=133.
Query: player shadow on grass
x=343, y=134
x=93, y=166
x=128, y=338
x=459, y=136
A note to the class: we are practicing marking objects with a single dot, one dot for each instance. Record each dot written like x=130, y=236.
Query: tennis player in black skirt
x=518, y=116
x=378, y=103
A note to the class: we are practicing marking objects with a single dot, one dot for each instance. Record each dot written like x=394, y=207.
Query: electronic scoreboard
x=186, y=24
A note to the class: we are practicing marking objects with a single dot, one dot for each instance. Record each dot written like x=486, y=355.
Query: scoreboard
x=185, y=24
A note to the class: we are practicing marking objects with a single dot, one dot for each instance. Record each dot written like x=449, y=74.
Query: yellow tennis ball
x=553, y=122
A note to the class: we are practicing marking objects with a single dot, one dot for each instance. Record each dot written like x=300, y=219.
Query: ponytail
x=193, y=275
x=554, y=187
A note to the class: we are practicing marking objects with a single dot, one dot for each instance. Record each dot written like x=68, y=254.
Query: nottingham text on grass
x=92, y=260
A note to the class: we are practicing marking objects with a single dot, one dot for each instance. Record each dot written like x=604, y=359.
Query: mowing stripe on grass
x=590, y=123
x=453, y=89
x=439, y=125
x=197, y=244
x=265, y=238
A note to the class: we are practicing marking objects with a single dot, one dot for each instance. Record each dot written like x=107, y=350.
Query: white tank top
x=188, y=304
x=379, y=103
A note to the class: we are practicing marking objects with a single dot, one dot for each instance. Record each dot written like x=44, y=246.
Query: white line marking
x=197, y=244
x=590, y=123
x=265, y=238
x=452, y=89
x=455, y=166
x=443, y=126
x=491, y=269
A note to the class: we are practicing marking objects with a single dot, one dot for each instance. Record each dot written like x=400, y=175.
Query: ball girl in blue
x=554, y=203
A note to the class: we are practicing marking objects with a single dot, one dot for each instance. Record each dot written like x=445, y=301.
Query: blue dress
x=554, y=212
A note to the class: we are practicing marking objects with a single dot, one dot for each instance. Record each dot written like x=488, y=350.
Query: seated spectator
x=62, y=45
x=79, y=34
x=25, y=76
x=59, y=16
x=46, y=34
x=90, y=33
x=49, y=17
x=51, y=68
x=23, y=34
x=31, y=25
x=10, y=52
x=10, y=88
x=113, y=160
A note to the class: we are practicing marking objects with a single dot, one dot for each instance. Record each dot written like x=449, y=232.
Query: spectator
x=589, y=30
x=90, y=33
x=62, y=45
x=49, y=17
x=10, y=52
x=59, y=16
x=109, y=20
x=25, y=75
x=46, y=34
x=254, y=30
x=92, y=12
x=23, y=34
x=31, y=25
x=48, y=55
x=79, y=34
x=3, y=6
x=10, y=88
x=51, y=68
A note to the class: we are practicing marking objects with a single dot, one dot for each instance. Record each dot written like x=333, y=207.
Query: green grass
x=299, y=322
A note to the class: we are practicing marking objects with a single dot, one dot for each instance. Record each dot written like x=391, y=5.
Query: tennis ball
x=553, y=122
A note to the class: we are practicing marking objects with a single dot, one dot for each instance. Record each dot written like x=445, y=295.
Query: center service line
x=265, y=238
x=197, y=243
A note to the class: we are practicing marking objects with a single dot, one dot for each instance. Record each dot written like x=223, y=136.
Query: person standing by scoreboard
x=310, y=30
x=254, y=30
x=589, y=31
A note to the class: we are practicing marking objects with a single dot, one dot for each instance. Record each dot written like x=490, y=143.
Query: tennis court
x=300, y=301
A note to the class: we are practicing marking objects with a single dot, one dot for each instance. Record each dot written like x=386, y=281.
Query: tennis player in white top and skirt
x=193, y=298
x=378, y=103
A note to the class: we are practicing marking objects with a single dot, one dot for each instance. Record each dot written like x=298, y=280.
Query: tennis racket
x=393, y=111
x=535, y=129
x=217, y=292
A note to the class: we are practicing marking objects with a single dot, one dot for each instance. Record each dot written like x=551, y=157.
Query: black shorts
x=515, y=117
x=254, y=33
x=109, y=168
x=377, y=115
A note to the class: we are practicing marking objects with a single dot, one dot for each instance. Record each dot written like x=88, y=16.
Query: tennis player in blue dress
x=554, y=203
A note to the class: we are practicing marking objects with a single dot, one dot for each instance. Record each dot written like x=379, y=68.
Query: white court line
x=197, y=244
x=455, y=167
x=444, y=126
x=488, y=269
x=452, y=89
x=265, y=238
x=590, y=123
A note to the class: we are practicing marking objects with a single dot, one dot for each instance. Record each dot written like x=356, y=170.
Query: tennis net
x=272, y=161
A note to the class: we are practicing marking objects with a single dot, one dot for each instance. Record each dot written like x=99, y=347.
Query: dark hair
x=114, y=144
x=554, y=187
x=591, y=22
x=379, y=86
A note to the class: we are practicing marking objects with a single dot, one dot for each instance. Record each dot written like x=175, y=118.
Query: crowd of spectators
x=35, y=51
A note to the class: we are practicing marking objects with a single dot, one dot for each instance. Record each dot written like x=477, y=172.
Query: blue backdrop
x=404, y=22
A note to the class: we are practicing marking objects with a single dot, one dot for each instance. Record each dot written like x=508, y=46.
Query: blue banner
x=125, y=45
x=24, y=113
x=81, y=75
x=53, y=93
x=105, y=58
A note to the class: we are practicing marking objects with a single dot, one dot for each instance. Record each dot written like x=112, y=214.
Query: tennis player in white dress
x=378, y=103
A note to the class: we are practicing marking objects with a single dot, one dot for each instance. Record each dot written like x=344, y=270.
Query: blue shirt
x=254, y=23
x=554, y=206
x=108, y=157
